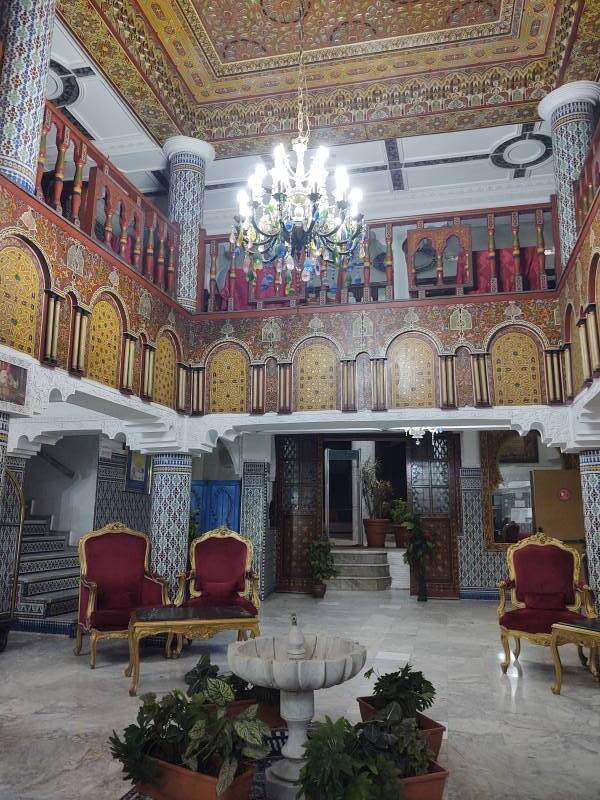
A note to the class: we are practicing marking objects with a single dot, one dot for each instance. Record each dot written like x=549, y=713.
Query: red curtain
x=505, y=262
x=530, y=267
x=483, y=271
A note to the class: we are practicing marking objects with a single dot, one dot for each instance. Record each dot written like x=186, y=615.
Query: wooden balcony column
x=516, y=250
x=491, y=231
x=212, y=282
x=480, y=379
x=366, y=295
x=53, y=305
x=541, y=246
x=389, y=262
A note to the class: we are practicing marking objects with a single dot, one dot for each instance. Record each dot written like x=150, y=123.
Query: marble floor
x=508, y=738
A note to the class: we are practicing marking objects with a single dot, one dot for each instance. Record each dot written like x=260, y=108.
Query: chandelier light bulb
x=342, y=181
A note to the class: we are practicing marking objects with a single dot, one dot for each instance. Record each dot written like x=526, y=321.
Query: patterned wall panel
x=411, y=364
x=480, y=570
x=315, y=376
x=364, y=386
x=21, y=299
x=113, y=502
x=254, y=518
x=516, y=370
x=170, y=514
x=576, y=362
x=271, y=377
x=165, y=371
x=589, y=465
x=464, y=378
x=104, y=343
x=228, y=381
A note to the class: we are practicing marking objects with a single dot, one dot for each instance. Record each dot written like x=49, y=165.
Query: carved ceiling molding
x=172, y=88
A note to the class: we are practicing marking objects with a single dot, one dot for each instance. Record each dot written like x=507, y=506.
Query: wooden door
x=299, y=507
x=432, y=470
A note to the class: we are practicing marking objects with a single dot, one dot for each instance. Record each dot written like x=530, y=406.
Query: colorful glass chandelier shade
x=290, y=218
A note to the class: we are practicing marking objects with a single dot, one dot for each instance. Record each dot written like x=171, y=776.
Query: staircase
x=48, y=572
x=363, y=569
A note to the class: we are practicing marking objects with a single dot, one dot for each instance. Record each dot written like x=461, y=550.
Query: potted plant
x=419, y=546
x=386, y=758
x=181, y=749
x=216, y=688
x=399, y=513
x=321, y=565
x=412, y=693
x=376, y=494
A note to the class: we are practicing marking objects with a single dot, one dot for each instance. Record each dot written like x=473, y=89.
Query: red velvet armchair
x=544, y=582
x=221, y=573
x=115, y=580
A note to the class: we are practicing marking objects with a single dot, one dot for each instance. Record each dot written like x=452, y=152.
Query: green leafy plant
x=377, y=493
x=320, y=560
x=197, y=680
x=420, y=544
x=407, y=688
x=397, y=739
x=400, y=512
x=337, y=767
x=184, y=731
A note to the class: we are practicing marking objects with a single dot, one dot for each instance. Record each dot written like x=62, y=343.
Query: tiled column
x=4, y=418
x=589, y=465
x=170, y=514
x=571, y=110
x=255, y=522
x=187, y=161
x=27, y=32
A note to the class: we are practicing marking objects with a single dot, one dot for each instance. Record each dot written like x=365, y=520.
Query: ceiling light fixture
x=294, y=221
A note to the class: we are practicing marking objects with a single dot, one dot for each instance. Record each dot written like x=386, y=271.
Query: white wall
x=69, y=500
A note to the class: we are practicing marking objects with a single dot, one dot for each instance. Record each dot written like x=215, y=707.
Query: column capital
x=187, y=144
x=574, y=92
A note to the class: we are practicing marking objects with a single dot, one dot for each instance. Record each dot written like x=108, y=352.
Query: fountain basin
x=328, y=661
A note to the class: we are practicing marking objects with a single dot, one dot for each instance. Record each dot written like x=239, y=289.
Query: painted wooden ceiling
x=226, y=69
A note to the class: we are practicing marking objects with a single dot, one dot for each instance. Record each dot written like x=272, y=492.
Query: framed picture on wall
x=137, y=473
x=13, y=383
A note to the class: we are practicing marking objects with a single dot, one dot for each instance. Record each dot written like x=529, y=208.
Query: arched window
x=104, y=343
x=315, y=372
x=21, y=287
x=165, y=371
x=516, y=370
x=411, y=363
x=228, y=381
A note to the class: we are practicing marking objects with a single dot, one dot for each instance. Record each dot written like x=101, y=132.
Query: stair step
x=44, y=562
x=359, y=557
x=36, y=526
x=50, y=581
x=360, y=584
x=44, y=544
x=50, y=604
x=364, y=571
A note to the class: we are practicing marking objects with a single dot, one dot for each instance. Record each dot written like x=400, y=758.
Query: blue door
x=216, y=503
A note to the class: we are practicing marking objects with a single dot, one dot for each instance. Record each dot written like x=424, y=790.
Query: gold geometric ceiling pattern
x=226, y=69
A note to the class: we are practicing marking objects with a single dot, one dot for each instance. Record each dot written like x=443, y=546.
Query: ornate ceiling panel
x=226, y=69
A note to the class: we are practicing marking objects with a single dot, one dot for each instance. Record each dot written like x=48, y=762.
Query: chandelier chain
x=303, y=119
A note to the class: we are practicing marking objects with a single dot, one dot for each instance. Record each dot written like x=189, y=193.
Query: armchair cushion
x=534, y=620
x=114, y=619
x=220, y=565
x=545, y=600
x=208, y=601
x=116, y=597
x=541, y=570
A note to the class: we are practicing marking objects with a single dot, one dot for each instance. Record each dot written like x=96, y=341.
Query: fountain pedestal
x=297, y=665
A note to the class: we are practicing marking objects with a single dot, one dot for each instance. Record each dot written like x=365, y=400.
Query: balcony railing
x=452, y=254
x=85, y=188
x=586, y=187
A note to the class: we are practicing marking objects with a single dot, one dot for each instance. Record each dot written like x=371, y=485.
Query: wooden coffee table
x=191, y=623
x=583, y=634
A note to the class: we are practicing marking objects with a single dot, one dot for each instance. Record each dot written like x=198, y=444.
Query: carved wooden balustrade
x=485, y=251
x=586, y=187
x=100, y=200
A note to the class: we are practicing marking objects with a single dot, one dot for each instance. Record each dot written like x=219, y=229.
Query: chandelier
x=290, y=218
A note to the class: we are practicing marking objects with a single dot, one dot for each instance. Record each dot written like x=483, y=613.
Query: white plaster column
x=170, y=514
x=27, y=36
x=572, y=110
x=589, y=465
x=188, y=158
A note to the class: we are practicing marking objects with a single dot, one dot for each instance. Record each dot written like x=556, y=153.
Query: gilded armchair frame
x=251, y=583
x=92, y=587
x=583, y=601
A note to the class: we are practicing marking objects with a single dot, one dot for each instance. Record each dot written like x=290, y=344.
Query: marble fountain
x=297, y=665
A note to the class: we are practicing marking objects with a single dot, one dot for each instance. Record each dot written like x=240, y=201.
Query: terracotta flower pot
x=179, y=783
x=376, y=530
x=425, y=787
x=318, y=590
x=433, y=730
x=399, y=535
